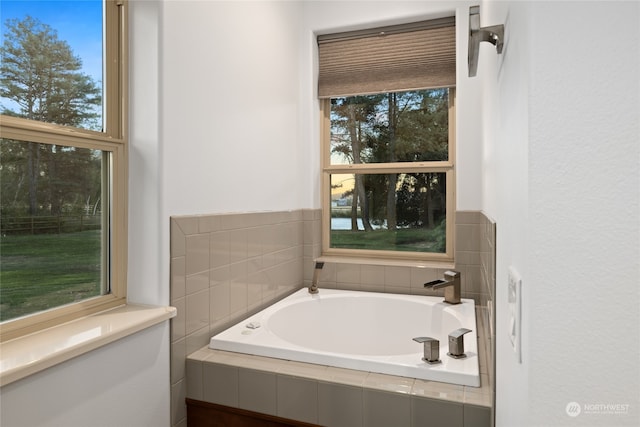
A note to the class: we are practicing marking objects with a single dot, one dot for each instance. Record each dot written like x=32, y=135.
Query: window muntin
x=106, y=146
x=387, y=169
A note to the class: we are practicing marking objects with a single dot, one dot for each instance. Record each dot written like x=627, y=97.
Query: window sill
x=35, y=352
x=386, y=262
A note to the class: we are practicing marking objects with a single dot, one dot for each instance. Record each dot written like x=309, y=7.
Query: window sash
x=448, y=167
x=113, y=140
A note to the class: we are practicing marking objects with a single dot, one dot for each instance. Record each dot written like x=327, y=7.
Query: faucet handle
x=431, y=349
x=451, y=275
x=456, y=343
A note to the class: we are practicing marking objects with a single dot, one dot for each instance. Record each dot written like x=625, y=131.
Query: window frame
x=447, y=167
x=113, y=140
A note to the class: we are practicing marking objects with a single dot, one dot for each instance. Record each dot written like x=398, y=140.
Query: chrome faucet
x=456, y=343
x=451, y=285
x=313, y=289
x=431, y=349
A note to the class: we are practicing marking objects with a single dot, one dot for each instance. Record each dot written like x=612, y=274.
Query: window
x=63, y=164
x=388, y=108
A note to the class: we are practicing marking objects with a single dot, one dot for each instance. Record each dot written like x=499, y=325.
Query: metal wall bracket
x=493, y=34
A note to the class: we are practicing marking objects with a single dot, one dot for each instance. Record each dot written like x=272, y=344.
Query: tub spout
x=451, y=285
x=313, y=289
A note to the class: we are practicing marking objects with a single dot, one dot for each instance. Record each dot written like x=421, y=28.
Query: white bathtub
x=365, y=331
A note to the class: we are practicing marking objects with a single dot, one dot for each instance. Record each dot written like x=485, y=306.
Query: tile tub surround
x=331, y=396
x=225, y=267
x=471, y=258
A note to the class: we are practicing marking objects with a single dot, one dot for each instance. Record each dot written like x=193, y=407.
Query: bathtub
x=365, y=331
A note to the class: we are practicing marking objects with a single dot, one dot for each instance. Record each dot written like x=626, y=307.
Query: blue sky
x=79, y=22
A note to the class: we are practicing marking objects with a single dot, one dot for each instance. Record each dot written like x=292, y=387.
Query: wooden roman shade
x=420, y=55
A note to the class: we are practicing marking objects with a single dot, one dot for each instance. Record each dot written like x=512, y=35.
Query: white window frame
x=376, y=256
x=112, y=140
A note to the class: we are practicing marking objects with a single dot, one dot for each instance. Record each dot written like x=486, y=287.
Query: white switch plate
x=515, y=316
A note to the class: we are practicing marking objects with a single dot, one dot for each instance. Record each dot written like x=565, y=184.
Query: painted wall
x=123, y=384
x=230, y=117
x=561, y=155
x=505, y=142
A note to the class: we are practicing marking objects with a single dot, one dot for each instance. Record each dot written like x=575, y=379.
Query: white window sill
x=32, y=353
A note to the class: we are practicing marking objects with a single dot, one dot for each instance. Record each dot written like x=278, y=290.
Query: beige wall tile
x=219, y=303
x=477, y=416
x=178, y=356
x=194, y=379
x=197, y=311
x=197, y=339
x=255, y=237
x=297, y=398
x=257, y=391
x=178, y=277
x=372, y=275
x=389, y=383
x=345, y=376
x=178, y=407
x=177, y=239
x=188, y=224
x=197, y=253
x=179, y=322
x=468, y=217
x=197, y=282
x=435, y=413
x=438, y=390
x=383, y=409
x=467, y=237
x=340, y=405
x=397, y=277
x=220, y=384
x=220, y=275
x=347, y=273
x=237, y=245
x=208, y=223
x=219, y=249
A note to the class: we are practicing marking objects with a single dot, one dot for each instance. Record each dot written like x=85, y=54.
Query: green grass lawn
x=41, y=271
x=413, y=239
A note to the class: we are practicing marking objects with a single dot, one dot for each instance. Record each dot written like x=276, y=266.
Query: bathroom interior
x=547, y=185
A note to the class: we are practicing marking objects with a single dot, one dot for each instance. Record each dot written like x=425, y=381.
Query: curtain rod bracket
x=493, y=34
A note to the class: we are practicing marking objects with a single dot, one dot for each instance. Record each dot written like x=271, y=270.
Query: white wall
x=124, y=384
x=230, y=116
x=561, y=177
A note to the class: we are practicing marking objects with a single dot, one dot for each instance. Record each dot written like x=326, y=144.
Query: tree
x=394, y=127
x=353, y=114
x=40, y=74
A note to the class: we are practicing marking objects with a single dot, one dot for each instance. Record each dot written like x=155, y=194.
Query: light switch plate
x=515, y=316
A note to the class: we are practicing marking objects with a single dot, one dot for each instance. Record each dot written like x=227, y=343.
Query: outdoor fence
x=49, y=224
